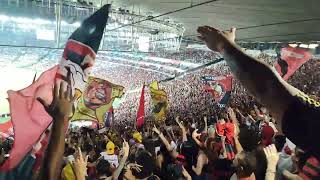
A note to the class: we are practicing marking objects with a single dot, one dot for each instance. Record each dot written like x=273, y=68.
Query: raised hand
x=272, y=157
x=231, y=113
x=80, y=165
x=62, y=102
x=195, y=134
x=216, y=39
x=156, y=130
x=125, y=148
x=134, y=166
x=180, y=124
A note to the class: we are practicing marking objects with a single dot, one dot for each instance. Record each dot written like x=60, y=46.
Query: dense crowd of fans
x=198, y=139
x=148, y=155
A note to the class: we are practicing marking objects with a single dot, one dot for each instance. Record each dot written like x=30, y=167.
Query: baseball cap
x=137, y=136
x=110, y=148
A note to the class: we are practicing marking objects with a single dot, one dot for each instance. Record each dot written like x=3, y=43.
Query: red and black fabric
x=86, y=39
x=109, y=117
x=311, y=169
x=290, y=60
x=140, y=113
x=27, y=112
x=219, y=86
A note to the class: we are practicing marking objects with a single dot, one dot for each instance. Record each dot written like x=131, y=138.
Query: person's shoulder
x=307, y=101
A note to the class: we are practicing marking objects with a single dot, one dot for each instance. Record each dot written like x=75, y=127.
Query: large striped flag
x=290, y=60
x=220, y=87
x=140, y=113
x=159, y=101
x=29, y=117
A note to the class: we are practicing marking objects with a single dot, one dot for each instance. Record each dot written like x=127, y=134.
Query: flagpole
x=34, y=78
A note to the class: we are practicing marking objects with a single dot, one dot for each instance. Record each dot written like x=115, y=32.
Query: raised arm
x=125, y=148
x=258, y=77
x=205, y=124
x=272, y=159
x=60, y=110
x=195, y=136
x=173, y=153
x=183, y=129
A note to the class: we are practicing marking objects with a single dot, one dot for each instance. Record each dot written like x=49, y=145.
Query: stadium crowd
x=151, y=155
x=269, y=133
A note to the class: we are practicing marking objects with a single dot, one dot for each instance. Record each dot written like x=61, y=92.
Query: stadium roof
x=284, y=20
x=256, y=20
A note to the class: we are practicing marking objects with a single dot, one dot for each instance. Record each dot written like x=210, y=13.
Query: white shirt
x=112, y=159
x=173, y=145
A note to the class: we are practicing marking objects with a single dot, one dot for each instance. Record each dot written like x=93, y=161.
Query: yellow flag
x=96, y=100
x=159, y=101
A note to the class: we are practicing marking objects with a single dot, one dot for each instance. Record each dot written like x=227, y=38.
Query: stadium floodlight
x=45, y=34
x=77, y=24
x=4, y=18
x=41, y=21
x=313, y=46
x=293, y=45
x=37, y=21
x=303, y=45
x=143, y=43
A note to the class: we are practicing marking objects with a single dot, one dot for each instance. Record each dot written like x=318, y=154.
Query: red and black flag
x=29, y=118
x=219, y=86
x=81, y=49
x=290, y=60
x=108, y=118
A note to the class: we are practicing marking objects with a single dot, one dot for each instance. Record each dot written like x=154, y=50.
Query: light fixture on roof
x=304, y=45
x=293, y=45
x=313, y=46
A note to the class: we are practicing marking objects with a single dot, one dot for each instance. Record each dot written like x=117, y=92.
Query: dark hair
x=174, y=171
x=261, y=163
x=103, y=168
x=87, y=148
x=144, y=159
x=248, y=163
x=249, y=139
x=68, y=150
x=279, y=142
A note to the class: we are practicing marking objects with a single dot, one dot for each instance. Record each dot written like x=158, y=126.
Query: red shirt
x=229, y=132
x=220, y=128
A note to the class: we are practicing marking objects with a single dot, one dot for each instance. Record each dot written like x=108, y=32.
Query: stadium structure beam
x=58, y=22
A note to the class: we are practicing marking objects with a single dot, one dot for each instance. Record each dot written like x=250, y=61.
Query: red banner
x=140, y=113
x=220, y=87
x=291, y=59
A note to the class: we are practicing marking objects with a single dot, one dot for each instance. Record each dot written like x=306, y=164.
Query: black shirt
x=301, y=123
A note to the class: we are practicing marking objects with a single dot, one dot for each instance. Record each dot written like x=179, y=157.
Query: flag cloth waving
x=159, y=101
x=140, y=113
x=109, y=118
x=220, y=87
x=96, y=100
x=290, y=60
x=29, y=117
